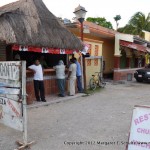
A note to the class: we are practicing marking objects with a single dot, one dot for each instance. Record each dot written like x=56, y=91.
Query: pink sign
x=140, y=129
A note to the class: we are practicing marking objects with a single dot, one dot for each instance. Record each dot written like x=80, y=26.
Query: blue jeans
x=79, y=84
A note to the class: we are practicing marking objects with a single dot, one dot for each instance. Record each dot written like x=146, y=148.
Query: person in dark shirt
x=17, y=57
x=79, y=76
x=43, y=62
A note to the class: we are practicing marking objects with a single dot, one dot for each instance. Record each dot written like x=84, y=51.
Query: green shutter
x=123, y=60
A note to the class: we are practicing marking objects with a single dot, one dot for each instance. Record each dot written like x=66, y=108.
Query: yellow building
x=147, y=35
x=147, y=38
x=122, y=53
x=100, y=41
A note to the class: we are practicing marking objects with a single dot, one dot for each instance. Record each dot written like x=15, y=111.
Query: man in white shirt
x=38, y=80
x=60, y=76
x=72, y=77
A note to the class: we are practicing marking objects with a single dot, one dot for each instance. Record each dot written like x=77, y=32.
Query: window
x=96, y=50
x=88, y=62
x=90, y=47
x=95, y=62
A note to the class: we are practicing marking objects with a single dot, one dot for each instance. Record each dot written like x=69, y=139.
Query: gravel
x=96, y=122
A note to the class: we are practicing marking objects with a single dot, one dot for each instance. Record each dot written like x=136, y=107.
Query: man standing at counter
x=38, y=80
x=72, y=77
x=79, y=76
x=60, y=76
x=43, y=62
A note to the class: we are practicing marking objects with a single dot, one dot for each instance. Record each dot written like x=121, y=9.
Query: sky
x=96, y=8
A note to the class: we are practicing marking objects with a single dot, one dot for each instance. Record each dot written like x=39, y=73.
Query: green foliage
x=136, y=24
x=120, y=29
x=127, y=29
x=117, y=18
x=100, y=21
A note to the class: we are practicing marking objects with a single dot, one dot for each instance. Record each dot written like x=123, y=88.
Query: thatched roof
x=29, y=22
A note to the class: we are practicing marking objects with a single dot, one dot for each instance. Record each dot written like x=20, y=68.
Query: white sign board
x=10, y=113
x=11, y=108
x=139, y=138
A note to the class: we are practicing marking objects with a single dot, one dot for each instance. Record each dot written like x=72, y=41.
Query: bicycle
x=97, y=80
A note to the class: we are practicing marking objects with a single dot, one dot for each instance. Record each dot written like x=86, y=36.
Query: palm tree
x=117, y=18
x=137, y=24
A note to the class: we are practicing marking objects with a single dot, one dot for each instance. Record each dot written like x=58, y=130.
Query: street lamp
x=80, y=13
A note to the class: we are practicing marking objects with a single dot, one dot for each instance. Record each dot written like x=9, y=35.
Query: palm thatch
x=29, y=22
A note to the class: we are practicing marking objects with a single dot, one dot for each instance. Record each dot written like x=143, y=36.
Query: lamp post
x=80, y=13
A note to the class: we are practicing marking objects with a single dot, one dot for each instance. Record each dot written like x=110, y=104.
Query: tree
x=137, y=24
x=117, y=18
x=127, y=29
x=100, y=21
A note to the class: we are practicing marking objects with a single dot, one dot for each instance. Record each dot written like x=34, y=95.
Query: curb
x=40, y=104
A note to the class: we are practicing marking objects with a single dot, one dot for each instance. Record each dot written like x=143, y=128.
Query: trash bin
x=129, y=76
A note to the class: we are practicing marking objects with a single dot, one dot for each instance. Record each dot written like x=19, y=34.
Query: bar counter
x=49, y=84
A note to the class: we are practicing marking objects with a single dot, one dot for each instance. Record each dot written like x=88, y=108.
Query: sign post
x=13, y=111
x=139, y=138
x=10, y=95
x=24, y=102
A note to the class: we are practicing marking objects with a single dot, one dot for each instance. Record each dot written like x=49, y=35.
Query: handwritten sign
x=10, y=74
x=11, y=106
x=140, y=129
x=10, y=113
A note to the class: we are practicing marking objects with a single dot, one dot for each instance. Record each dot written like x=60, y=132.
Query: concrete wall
x=93, y=44
x=93, y=65
x=122, y=74
x=108, y=55
x=90, y=70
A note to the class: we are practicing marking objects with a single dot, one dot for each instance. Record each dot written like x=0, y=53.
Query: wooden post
x=81, y=61
x=83, y=64
x=23, y=145
x=24, y=102
x=81, y=31
x=84, y=73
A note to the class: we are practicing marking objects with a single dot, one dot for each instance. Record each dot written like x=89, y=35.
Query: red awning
x=43, y=50
x=133, y=46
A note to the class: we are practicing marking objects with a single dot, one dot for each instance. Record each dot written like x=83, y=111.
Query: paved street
x=85, y=123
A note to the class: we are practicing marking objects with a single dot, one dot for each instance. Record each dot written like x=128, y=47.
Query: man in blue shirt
x=79, y=75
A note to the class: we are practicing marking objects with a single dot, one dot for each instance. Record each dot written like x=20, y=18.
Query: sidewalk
x=52, y=99
x=120, y=81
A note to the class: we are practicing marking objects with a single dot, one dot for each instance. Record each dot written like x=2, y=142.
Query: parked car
x=143, y=74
